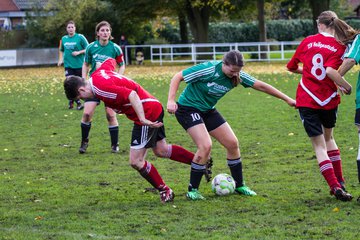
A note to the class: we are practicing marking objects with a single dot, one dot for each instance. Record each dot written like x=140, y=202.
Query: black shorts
x=357, y=117
x=93, y=100
x=73, y=71
x=315, y=119
x=147, y=137
x=189, y=117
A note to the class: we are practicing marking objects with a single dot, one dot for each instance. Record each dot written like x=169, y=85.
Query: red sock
x=180, y=154
x=150, y=173
x=335, y=158
x=327, y=171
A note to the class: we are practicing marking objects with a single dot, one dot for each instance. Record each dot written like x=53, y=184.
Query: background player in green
x=71, y=54
x=96, y=53
x=195, y=111
x=352, y=57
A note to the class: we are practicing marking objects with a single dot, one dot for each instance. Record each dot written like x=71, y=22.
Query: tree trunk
x=199, y=22
x=317, y=7
x=183, y=30
x=262, y=27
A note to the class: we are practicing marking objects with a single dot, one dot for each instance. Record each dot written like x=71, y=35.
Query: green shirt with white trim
x=95, y=52
x=353, y=51
x=207, y=84
x=70, y=44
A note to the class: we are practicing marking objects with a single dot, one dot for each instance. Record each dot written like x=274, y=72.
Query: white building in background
x=13, y=12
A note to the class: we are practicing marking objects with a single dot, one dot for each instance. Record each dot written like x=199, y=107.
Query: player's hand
x=344, y=90
x=75, y=53
x=151, y=124
x=291, y=102
x=59, y=63
x=171, y=107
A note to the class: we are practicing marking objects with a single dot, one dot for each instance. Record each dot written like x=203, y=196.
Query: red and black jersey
x=316, y=53
x=114, y=90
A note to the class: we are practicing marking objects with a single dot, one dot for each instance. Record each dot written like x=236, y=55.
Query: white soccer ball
x=223, y=184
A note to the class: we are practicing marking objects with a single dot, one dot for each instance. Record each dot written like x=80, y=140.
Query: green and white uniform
x=70, y=44
x=206, y=84
x=95, y=52
x=353, y=51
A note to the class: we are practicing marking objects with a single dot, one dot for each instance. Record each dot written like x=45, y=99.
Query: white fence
x=159, y=54
x=194, y=53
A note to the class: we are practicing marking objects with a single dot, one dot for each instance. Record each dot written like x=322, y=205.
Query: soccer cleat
x=341, y=195
x=83, y=146
x=208, y=171
x=167, y=195
x=342, y=184
x=245, y=190
x=194, y=195
x=71, y=104
x=79, y=106
x=115, y=148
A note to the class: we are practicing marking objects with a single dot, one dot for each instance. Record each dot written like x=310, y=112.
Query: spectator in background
x=71, y=53
x=139, y=54
x=127, y=51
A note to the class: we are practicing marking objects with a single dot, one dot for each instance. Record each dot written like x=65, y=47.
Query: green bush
x=355, y=23
x=280, y=30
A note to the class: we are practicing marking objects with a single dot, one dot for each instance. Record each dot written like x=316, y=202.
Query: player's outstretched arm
x=138, y=107
x=174, y=86
x=339, y=80
x=347, y=64
x=267, y=88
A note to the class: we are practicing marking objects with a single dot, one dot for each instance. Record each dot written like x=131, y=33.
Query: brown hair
x=72, y=84
x=344, y=33
x=70, y=22
x=235, y=58
x=101, y=24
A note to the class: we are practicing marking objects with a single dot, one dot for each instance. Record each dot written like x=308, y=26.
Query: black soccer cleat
x=83, y=146
x=341, y=195
x=167, y=195
x=79, y=106
x=208, y=171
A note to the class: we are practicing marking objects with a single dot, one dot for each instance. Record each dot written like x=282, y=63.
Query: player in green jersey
x=71, y=54
x=352, y=57
x=195, y=110
x=96, y=53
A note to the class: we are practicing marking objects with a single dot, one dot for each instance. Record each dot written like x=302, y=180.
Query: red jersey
x=114, y=90
x=317, y=52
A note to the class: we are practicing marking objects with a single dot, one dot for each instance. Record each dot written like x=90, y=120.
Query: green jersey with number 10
x=206, y=84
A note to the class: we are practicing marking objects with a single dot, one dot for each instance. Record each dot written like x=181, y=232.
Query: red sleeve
x=335, y=60
x=293, y=63
x=109, y=65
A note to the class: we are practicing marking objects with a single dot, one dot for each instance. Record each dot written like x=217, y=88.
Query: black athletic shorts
x=147, y=137
x=73, y=71
x=189, y=117
x=357, y=117
x=314, y=119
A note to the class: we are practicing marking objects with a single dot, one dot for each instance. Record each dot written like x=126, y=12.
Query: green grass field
x=49, y=191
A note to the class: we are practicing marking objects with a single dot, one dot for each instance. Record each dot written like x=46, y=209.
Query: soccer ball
x=223, y=184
